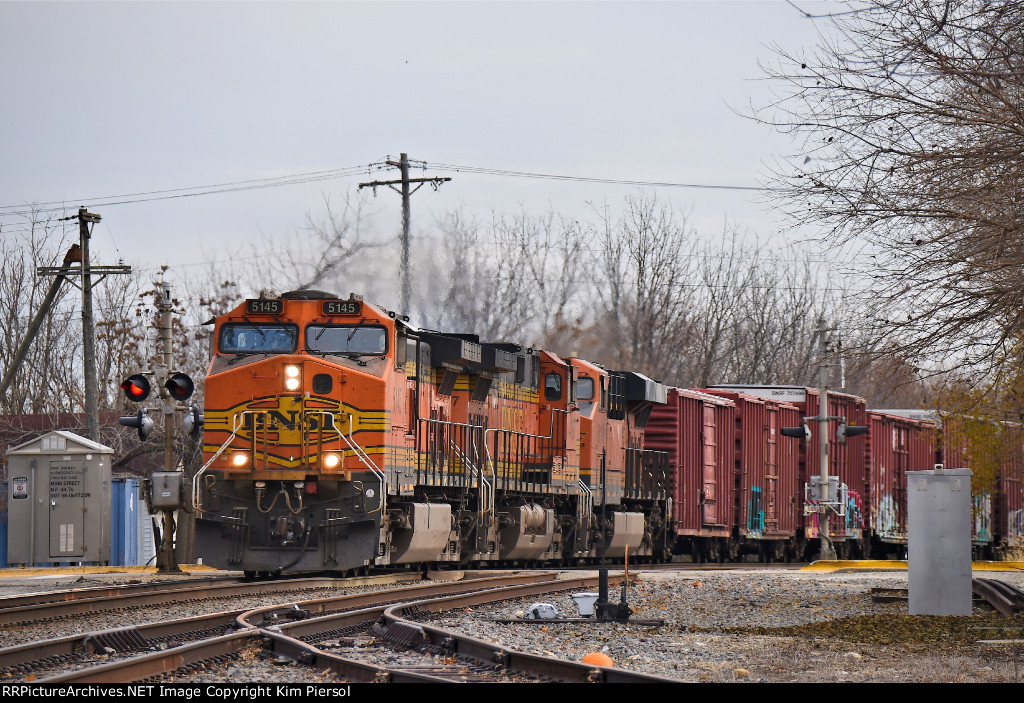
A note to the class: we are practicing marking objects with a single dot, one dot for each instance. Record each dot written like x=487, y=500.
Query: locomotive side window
x=552, y=386
x=249, y=338
x=347, y=339
x=585, y=389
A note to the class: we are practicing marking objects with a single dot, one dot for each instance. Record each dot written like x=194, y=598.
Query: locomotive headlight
x=239, y=459
x=331, y=460
x=291, y=380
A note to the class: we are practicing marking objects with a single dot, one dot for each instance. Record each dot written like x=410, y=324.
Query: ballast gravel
x=695, y=642
x=699, y=607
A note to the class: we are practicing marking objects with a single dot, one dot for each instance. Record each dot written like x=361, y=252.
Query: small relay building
x=59, y=488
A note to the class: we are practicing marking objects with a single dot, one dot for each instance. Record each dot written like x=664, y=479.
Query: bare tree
x=643, y=287
x=910, y=124
x=45, y=380
x=487, y=288
x=319, y=253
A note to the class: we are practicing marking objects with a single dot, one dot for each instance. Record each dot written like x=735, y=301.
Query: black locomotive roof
x=308, y=295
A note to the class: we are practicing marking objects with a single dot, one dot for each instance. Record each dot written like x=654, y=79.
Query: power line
x=29, y=210
x=187, y=192
x=481, y=170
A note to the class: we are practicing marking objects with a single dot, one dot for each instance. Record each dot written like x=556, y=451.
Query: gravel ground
x=718, y=629
x=775, y=625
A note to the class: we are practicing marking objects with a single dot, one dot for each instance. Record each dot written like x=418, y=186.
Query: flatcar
x=338, y=437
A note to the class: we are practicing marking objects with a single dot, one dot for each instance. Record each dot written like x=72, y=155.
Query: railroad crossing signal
x=180, y=386
x=136, y=387
x=193, y=422
x=140, y=421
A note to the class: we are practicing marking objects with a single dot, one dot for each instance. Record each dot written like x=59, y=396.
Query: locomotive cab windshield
x=370, y=340
x=251, y=338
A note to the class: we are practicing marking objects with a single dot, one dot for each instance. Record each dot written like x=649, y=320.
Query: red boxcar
x=1009, y=507
x=697, y=431
x=768, y=489
x=999, y=511
x=845, y=460
x=894, y=446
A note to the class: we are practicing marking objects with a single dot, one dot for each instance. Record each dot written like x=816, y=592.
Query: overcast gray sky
x=105, y=99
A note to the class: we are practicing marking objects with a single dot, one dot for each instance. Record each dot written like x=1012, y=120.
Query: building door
x=68, y=496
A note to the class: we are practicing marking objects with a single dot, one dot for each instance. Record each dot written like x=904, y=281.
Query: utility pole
x=167, y=562
x=92, y=420
x=403, y=165
x=86, y=218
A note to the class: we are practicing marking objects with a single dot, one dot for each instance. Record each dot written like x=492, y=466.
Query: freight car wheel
x=714, y=554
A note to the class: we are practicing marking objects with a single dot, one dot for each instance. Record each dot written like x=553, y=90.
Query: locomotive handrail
x=586, y=499
x=363, y=457
x=488, y=491
x=197, y=502
x=494, y=464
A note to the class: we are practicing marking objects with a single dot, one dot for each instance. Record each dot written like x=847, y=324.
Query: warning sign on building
x=20, y=487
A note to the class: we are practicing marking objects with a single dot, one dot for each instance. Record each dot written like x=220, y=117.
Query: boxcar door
x=901, y=461
x=771, y=473
x=709, y=503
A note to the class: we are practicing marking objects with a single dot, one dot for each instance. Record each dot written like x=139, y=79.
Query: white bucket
x=585, y=603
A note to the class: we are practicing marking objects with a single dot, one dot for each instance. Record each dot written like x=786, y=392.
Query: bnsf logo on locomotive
x=289, y=420
x=513, y=419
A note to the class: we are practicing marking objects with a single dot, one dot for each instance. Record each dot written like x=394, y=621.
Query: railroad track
x=56, y=605
x=1003, y=597
x=295, y=632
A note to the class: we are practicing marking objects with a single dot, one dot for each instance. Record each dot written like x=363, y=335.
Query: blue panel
x=124, y=519
x=3, y=524
x=3, y=539
x=131, y=522
x=117, y=491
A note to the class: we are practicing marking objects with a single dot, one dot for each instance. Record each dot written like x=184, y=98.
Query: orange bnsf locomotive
x=338, y=437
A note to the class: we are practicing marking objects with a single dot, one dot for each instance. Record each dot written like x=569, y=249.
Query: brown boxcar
x=769, y=495
x=999, y=507
x=1009, y=507
x=894, y=446
x=846, y=460
x=697, y=431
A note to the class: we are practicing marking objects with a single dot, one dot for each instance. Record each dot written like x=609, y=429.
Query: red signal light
x=136, y=388
x=180, y=386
